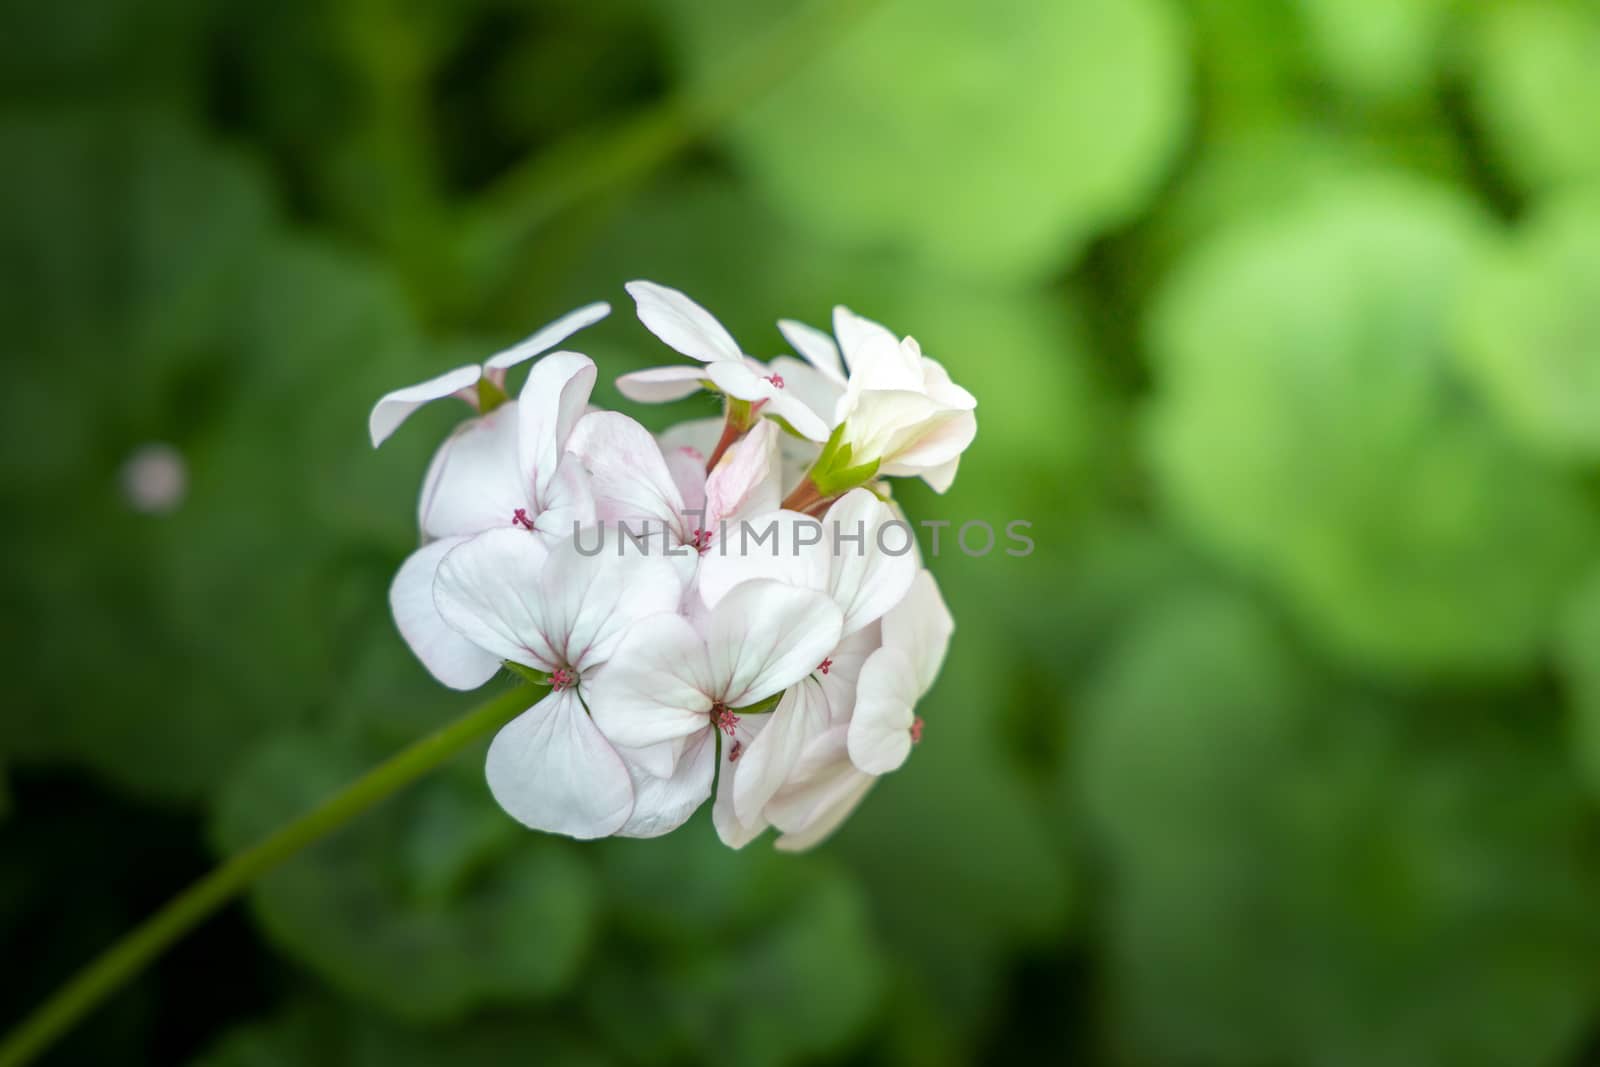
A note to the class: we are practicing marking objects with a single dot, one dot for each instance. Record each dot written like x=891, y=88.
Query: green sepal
x=528, y=673
x=490, y=396
x=760, y=706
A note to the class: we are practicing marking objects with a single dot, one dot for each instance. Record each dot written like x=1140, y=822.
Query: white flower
x=899, y=414
x=639, y=487
x=394, y=408
x=916, y=635
x=506, y=469
x=672, y=686
x=560, y=611
x=692, y=330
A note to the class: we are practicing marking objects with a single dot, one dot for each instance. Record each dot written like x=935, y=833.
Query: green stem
x=135, y=951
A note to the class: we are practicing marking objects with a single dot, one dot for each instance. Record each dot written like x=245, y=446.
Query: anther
x=561, y=678
x=776, y=380
x=723, y=719
x=735, y=751
x=916, y=730
x=826, y=665
x=520, y=518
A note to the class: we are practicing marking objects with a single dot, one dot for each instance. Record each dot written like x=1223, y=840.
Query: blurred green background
x=1284, y=317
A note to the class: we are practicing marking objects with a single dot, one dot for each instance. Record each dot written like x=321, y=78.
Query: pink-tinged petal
x=684, y=325
x=879, y=738
x=696, y=435
x=767, y=761
x=846, y=793
x=394, y=408
x=474, y=483
x=449, y=657
x=765, y=636
x=593, y=587
x=655, y=688
x=627, y=472
x=486, y=590
x=745, y=481
x=782, y=546
x=551, y=770
x=816, y=347
x=552, y=402
x=734, y=831
x=825, y=787
x=661, y=805
x=805, y=383
x=688, y=469
x=920, y=626
x=844, y=670
x=870, y=572
x=932, y=444
x=547, y=337
x=661, y=385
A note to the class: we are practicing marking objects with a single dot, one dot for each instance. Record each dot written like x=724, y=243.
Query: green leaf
x=984, y=144
x=428, y=907
x=1267, y=840
x=1530, y=330
x=1308, y=423
x=1536, y=88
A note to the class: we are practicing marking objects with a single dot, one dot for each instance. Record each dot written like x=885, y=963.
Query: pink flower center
x=700, y=541
x=826, y=665
x=916, y=730
x=776, y=380
x=723, y=719
x=561, y=678
x=520, y=518
x=735, y=751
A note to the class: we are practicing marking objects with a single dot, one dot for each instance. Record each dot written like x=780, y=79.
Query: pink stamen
x=776, y=380
x=723, y=719
x=700, y=541
x=826, y=665
x=562, y=678
x=520, y=518
x=916, y=730
x=736, y=751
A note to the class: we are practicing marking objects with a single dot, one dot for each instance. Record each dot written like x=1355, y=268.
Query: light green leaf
x=992, y=142
x=1308, y=423
x=1530, y=330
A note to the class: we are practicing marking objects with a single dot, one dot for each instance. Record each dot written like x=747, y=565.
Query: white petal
x=661, y=385
x=941, y=390
x=815, y=346
x=474, y=483
x=656, y=687
x=550, y=769
x=682, y=324
x=810, y=386
x=857, y=333
x=745, y=481
x=487, y=589
x=866, y=581
x=592, y=588
x=688, y=469
x=931, y=444
x=661, y=805
x=879, y=421
x=878, y=360
x=764, y=636
x=767, y=762
x=552, y=401
x=942, y=477
x=630, y=478
x=734, y=831
x=920, y=626
x=844, y=670
x=547, y=337
x=449, y=657
x=783, y=546
x=845, y=794
x=782, y=404
x=697, y=435
x=880, y=730
x=394, y=408
x=739, y=380
x=567, y=504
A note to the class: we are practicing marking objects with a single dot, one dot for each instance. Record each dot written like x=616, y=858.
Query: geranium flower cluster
x=735, y=605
